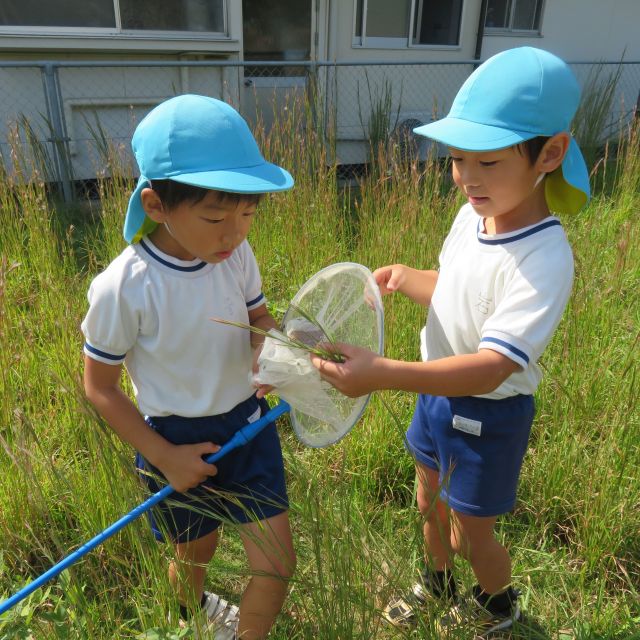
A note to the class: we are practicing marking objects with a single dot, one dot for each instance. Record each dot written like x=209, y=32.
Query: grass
x=64, y=476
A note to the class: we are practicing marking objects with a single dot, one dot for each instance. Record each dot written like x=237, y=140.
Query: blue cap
x=514, y=96
x=199, y=141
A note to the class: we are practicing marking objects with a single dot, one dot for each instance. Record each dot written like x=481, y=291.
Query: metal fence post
x=58, y=138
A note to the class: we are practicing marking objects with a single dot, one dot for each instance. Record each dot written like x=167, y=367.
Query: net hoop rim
x=380, y=326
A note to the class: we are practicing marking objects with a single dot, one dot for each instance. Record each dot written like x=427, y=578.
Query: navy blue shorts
x=476, y=445
x=249, y=486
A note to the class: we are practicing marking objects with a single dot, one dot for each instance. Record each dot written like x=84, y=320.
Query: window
x=514, y=15
x=124, y=15
x=406, y=23
x=276, y=30
x=57, y=13
x=169, y=15
x=437, y=22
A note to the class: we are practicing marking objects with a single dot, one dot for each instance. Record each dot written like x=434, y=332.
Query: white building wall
x=118, y=98
x=589, y=31
x=581, y=30
x=420, y=93
x=341, y=29
x=109, y=100
x=577, y=30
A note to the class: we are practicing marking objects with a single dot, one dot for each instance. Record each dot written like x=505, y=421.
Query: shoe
x=401, y=611
x=472, y=616
x=222, y=617
x=217, y=620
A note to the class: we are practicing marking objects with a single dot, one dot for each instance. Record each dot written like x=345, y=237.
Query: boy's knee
x=287, y=567
x=460, y=545
x=470, y=540
x=428, y=493
x=274, y=582
x=280, y=569
x=427, y=502
x=431, y=508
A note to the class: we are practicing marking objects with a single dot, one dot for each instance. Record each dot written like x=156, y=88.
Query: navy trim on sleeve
x=103, y=354
x=255, y=300
x=509, y=347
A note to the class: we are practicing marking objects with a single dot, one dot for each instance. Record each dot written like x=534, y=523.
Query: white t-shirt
x=505, y=292
x=152, y=312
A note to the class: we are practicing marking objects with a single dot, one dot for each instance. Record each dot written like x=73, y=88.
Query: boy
x=201, y=174
x=505, y=276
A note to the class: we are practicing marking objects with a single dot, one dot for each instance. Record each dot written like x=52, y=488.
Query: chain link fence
x=61, y=115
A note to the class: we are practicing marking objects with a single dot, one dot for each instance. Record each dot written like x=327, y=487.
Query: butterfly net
x=341, y=303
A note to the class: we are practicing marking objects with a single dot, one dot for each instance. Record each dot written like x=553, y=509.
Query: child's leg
x=437, y=579
x=474, y=539
x=187, y=571
x=493, y=607
x=437, y=526
x=272, y=560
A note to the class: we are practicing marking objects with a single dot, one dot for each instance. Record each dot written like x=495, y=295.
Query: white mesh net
x=341, y=303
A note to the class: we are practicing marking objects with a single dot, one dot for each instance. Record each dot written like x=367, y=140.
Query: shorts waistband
x=518, y=398
x=229, y=415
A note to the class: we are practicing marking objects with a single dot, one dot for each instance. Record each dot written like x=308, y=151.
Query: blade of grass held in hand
x=325, y=354
x=316, y=323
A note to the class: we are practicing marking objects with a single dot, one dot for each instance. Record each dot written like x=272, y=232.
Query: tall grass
x=64, y=476
x=592, y=123
x=380, y=120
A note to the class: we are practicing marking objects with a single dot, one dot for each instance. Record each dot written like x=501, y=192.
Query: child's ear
x=553, y=152
x=152, y=205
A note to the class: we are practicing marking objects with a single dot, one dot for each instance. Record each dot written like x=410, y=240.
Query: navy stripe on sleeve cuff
x=253, y=302
x=103, y=354
x=509, y=347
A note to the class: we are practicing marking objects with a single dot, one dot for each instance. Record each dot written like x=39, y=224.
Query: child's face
x=209, y=230
x=499, y=183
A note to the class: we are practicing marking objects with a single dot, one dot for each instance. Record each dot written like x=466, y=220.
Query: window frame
x=364, y=42
x=510, y=31
x=120, y=33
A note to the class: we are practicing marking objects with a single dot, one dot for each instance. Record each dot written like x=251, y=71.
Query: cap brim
x=471, y=136
x=262, y=178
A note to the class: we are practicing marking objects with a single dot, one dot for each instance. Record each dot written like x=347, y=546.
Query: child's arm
x=463, y=375
x=182, y=465
x=415, y=284
x=262, y=319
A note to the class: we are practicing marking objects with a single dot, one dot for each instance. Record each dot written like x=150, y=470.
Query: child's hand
x=185, y=468
x=361, y=373
x=390, y=278
x=263, y=389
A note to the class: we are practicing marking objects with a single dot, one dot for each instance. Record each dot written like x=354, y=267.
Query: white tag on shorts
x=474, y=427
x=255, y=415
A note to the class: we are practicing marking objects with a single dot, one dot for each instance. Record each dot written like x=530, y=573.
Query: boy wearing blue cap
x=504, y=279
x=201, y=176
